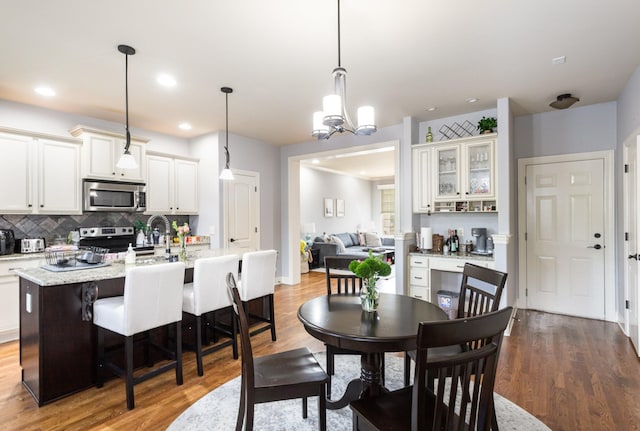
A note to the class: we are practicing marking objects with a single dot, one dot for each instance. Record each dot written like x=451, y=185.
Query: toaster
x=31, y=245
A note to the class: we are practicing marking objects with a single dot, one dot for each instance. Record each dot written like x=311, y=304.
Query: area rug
x=218, y=409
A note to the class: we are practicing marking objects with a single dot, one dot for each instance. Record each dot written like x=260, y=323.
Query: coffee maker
x=480, y=234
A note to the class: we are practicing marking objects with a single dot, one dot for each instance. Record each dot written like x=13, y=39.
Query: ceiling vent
x=564, y=101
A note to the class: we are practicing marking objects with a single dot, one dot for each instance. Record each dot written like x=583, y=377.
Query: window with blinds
x=388, y=210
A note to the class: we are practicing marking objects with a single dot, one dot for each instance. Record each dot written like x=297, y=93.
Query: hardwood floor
x=573, y=374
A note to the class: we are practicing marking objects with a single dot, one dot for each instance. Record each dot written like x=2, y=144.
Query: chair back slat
x=340, y=280
x=248, y=378
x=465, y=379
x=480, y=290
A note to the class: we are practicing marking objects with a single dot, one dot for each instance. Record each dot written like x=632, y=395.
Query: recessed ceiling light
x=315, y=161
x=363, y=172
x=472, y=100
x=45, y=91
x=185, y=126
x=166, y=81
x=431, y=108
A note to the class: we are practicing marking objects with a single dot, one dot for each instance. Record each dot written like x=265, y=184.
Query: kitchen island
x=57, y=336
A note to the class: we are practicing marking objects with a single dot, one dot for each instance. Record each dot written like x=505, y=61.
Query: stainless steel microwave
x=114, y=196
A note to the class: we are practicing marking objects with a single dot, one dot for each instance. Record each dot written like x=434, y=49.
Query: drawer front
x=421, y=261
x=419, y=277
x=423, y=293
x=456, y=265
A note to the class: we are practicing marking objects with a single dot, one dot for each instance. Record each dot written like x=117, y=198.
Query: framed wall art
x=328, y=207
x=339, y=207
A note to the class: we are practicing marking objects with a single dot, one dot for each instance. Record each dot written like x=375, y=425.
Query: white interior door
x=565, y=238
x=242, y=211
x=631, y=232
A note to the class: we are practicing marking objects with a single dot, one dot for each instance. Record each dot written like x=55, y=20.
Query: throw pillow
x=336, y=240
x=327, y=238
x=373, y=240
x=361, y=239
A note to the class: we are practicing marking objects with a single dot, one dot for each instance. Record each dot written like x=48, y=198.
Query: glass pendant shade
x=332, y=108
x=226, y=174
x=127, y=161
x=366, y=120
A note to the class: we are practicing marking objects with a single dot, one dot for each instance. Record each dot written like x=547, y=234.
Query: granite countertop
x=462, y=255
x=116, y=269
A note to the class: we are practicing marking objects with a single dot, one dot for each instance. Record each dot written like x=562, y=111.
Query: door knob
x=633, y=256
x=597, y=246
x=231, y=240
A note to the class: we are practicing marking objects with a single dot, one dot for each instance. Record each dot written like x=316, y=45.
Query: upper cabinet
x=172, y=185
x=102, y=150
x=44, y=175
x=460, y=174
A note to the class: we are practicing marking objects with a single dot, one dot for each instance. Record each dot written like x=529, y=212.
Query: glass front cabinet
x=461, y=174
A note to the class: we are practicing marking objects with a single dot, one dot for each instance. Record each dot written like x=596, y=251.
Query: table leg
x=368, y=385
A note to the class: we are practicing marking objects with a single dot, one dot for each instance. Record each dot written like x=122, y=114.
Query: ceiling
x=402, y=57
x=368, y=164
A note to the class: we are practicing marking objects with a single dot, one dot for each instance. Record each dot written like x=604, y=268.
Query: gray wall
x=315, y=185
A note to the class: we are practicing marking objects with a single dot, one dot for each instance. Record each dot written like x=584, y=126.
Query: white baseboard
x=9, y=335
x=507, y=332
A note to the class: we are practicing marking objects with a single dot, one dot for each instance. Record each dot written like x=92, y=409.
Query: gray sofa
x=352, y=247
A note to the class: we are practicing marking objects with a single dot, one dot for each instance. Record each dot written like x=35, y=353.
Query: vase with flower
x=370, y=270
x=182, y=232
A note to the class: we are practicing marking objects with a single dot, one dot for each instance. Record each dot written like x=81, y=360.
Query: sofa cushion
x=355, y=240
x=336, y=240
x=318, y=239
x=372, y=239
x=346, y=239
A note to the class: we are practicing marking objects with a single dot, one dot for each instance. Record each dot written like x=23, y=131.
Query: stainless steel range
x=116, y=239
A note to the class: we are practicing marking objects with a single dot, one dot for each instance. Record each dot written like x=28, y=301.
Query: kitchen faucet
x=167, y=236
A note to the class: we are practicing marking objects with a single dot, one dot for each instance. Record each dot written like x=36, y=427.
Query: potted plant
x=370, y=270
x=487, y=125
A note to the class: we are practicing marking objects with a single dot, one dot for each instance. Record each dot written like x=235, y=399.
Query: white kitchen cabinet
x=9, y=295
x=102, y=150
x=44, y=175
x=421, y=180
x=172, y=185
x=464, y=175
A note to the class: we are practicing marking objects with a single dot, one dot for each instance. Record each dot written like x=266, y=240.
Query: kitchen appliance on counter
x=114, y=196
x=480, y=234
x=30, y=245
x=7, y=241
x=115, y=238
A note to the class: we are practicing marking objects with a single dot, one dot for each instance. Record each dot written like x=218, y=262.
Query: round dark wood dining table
x=339, y=320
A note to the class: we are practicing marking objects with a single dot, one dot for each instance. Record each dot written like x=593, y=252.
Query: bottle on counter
x=452, y=242
x=456, y=240
x=130, y=258
x=429, y=135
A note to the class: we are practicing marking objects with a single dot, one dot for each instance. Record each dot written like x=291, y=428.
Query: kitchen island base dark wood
x=58, y=347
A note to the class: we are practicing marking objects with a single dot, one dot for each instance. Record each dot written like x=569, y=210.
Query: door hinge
x=626, y=168
x=526, y=291
x=255, y=229
x=626, y=236
x=525, y=236
x=255, y=189
x=626, y=304
x=525, y=179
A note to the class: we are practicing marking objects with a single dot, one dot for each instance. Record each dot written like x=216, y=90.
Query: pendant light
x=226, y=173
x=127, y=161
x=334, y=116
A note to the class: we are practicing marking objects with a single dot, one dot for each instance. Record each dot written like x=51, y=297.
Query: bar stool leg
x=272, y=319
x=199, y=345
x=128, y=351
x=179, y=352
x=100, y=358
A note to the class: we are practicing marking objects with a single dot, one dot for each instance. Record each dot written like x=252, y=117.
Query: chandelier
x=226, y=173
x=334, y=117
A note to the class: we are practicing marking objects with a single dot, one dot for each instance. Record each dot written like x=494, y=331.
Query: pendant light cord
x=226, y=145
x=339, y=62
x=126, y=99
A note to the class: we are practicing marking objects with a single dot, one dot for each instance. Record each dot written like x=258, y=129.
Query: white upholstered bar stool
x=257, y=280
x=152, y=298
x=208, y=294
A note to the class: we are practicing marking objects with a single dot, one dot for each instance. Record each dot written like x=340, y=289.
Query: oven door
x=110, y=196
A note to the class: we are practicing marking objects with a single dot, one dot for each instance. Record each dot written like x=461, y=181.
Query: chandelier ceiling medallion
x=334, y=117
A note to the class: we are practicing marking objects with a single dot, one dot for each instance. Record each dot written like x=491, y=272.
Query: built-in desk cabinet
x=41, y=175
x=421, y=267
x=172, y=185
x=102, y=150
x=9, y=291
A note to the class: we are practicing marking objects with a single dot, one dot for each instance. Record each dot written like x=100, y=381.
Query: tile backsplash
x=51, y=226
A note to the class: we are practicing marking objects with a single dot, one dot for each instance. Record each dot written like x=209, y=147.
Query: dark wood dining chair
x=280, y=376
x=480, y=292
x=424, y=408
x=341, y=281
